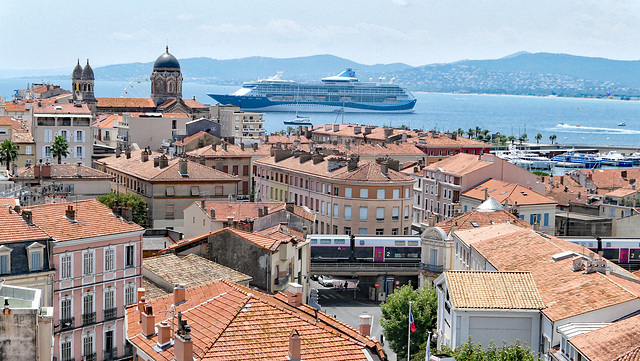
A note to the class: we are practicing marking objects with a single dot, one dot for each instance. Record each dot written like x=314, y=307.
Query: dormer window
x=5, y=260
x=35, y=254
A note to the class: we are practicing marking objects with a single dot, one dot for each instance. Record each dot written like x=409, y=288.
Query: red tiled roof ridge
x=620, y=285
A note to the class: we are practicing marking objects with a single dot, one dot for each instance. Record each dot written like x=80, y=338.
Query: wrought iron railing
x=88, y=318
x=67, y=323
x=110, y=314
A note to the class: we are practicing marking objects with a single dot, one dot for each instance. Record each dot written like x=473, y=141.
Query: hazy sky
x=53, y=34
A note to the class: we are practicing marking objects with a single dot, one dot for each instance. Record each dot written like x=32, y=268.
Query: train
x=618, y=250
x=355, y=248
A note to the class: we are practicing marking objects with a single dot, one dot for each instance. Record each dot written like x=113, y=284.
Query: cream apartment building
x=349, y=197
x=72, y=122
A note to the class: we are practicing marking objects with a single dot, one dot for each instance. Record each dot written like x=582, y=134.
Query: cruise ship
x=339, y=93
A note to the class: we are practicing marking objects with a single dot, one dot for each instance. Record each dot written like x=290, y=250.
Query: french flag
x=412, y=324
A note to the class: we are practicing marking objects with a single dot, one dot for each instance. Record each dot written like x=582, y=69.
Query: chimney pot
x=230, y=221
x=289, y=207
x=265, y=211
x=148, y=322
x=178, y=293
x=70, y=213
x=164, y=334
x=365, y=325
x=27, y=216
x=141, y=293
x=213, y=213
x=294, y=295
x=294, y=346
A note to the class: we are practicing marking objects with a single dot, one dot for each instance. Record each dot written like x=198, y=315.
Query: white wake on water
x=562, y=127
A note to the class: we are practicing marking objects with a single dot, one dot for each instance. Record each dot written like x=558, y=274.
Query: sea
x=584, y=121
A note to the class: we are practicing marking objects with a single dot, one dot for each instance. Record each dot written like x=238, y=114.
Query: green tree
x=8, y=152
x=395, y=318
x=552, y=138
x=132, y=200
x=460, y=131
x=523, y=138
x=469, y=351
x=59, y=148
x=538, y=137
x=471, y=132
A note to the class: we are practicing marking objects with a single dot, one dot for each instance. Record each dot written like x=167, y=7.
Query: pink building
x=443, y=182
x=98, y=261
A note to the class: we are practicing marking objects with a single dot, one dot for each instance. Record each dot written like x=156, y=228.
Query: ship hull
x=264, y=104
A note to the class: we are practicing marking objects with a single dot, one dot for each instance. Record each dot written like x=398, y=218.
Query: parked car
x=314, y=277
x=326, y=281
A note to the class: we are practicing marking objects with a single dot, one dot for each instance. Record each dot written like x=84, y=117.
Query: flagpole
x=409, y=333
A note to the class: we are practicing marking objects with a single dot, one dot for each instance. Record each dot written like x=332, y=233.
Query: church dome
x=166, y=60
x=77, y=71
x=87, y=72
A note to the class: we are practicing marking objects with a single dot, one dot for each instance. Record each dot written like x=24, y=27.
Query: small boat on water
x=525, y=159
x=299, y=121
x=622, y=124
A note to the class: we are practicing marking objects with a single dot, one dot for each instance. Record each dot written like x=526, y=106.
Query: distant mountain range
x=521, y=73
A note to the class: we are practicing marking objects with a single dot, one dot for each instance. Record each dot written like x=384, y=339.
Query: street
x=343, y=306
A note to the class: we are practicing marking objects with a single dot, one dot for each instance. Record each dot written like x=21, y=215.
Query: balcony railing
x=89, y=357
x=88, y=318
x=111, y=354
x=128, y=349
x=67, y=323
x=432, y=268
x=110, y=314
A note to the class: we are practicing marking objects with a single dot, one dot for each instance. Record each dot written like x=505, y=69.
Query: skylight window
x=475, y=224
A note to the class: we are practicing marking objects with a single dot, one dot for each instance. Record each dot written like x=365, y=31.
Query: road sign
x=377, y=284
x=398, y=283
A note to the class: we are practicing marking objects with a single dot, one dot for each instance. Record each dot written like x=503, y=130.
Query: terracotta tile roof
x=267, y=243
x=556, y=191
x=167, y=103
x=6, y=121
x=162, y=115
x=108, y=121
x=347, y=130
x=146, y=170
x=507, y=192
x=60, y=108
x=232, y=322
x=482, y=219
x=8, y=202
x=280, y=233
x=622, y=192
x=566, y=293
x=618, y=341
x=15, y=107
x=504, y=290
x=125, y=103
x=375, y=150
x=443, y=140
x=232, y=151
x=59, y=171
x=192, y=137
x=92, y=219
x=284, y=139
x=460, y=164
x=240, y=210
x=22, y=137
x=40, y=89
x=14, y=228
x=366, y=171
x=191, y=270
x=610, y=178
x=193, y=104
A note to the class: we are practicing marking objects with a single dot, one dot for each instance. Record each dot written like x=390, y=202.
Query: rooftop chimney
x=317, y=158
x=260, y=212
x=230, y=221
x=141, y=306
x=289, y=207
x=365, y=325
x=357, y=130
x=148, y=322
x=178, y=293
x=27, y=216
x=336, y=127
x=305, y=232
x=242, y=147
x=294, y=295
x=383, y=169
x=183, y=342
x=265, y=210
x=213, y=213
x=79, y=168
x=163, y=161
x=118, y=152
x=144, y=156
x=127, y=153
x=70, y=213
x=294, y=346
x=141, y=293
x=164, y=334
x=182, y=167
x=255, y=146
x=156, y=161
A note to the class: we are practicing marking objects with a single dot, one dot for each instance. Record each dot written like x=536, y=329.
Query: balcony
x=110, y=314
x=128, y=349
x=89, y=357
x=67, y=323
x=111, y=354
x=88, y=318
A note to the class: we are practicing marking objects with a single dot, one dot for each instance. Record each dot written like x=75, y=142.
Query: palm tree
x=470, y=132
x=552, y=138
x=460, y=131
x=8, y=152
x=538, y=137
x=59, y=148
